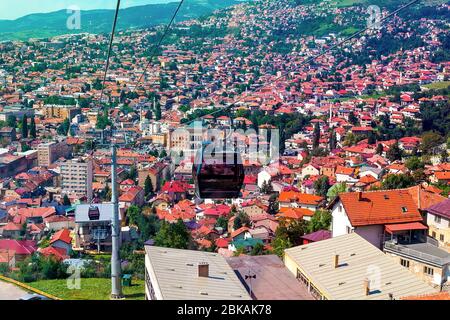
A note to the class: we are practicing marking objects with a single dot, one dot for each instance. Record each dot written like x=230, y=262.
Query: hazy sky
x=13, y=9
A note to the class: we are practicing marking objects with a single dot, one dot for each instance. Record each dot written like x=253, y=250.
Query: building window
x=441, y=238
x=404, y=263
x=429, y=271
x=404, y=209
x=433, y=234
x=437, y=219
x=349, y=230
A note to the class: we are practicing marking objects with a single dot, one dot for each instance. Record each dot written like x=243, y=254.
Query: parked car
x=34, y=296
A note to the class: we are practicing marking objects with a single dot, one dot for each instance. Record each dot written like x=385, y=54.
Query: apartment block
x=77, y=176
x=49, y=152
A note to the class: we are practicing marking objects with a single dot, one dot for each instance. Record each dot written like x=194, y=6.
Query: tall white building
x=77, y=176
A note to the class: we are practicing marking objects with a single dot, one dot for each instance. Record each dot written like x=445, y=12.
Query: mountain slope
x=43, y=25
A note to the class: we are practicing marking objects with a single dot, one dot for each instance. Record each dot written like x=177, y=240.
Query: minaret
x=116, y=284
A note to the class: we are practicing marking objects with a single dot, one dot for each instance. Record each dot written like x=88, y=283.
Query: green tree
x=352, y=118
x=430, y=142
x=241, y=220
x=321, y=220
x=394, y=153
x=398, y=181
x=333, y=140
x=11, y=121
x=257, y=250
x=316, y=137
x=66, y=200
x=273, y=204
x=32, y=128
x=158, y=113
x=133, y=213
x=414, y=163
x=24, y=127
x=379, y=149
x=336, y=189
x=173, y=235
x=321, y=186
x=148, y=186
x=222, y=222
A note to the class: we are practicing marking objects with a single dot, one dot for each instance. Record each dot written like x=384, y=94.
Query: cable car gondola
x=218, y=174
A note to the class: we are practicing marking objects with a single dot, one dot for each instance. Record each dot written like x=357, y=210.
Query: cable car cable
x=158, y=44
x=111, y=39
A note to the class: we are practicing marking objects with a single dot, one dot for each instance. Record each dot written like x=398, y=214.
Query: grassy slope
x=438, y=85
x=91, y=289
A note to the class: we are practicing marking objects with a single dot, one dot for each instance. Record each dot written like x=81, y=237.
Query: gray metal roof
x=176, y=272
x=358, y=260
x=106, y=212
x=273, y=281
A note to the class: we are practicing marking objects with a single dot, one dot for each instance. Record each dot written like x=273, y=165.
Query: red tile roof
x=380, y=207
x=62, y=235
x=19, y=246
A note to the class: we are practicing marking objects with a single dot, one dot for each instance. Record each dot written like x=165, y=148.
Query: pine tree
x=33, y=128
x=316, y=139
x=24, y=127
x=333, y=140
x=148, y=186
x=158, y=114
x=66, y=200
x=379, y=148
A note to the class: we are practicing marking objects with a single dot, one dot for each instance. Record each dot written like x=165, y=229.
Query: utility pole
x=116, y=284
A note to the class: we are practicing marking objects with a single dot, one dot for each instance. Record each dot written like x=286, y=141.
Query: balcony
x=425, y=252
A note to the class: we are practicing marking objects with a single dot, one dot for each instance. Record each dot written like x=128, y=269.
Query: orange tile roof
x=239, y=231
x=442, y=175
x=427, y=198
x=62, y=235
x=294, y=213
x=380, y=207
x=432, y=296
x=293, y=196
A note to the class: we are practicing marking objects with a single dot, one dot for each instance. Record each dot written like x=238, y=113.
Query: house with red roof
x=63, y=240
x=57, y=253
x=7, y=257
x=177, y=190
x=295, y=199
x=133, y=196
x=22, y=248
x=375, y=215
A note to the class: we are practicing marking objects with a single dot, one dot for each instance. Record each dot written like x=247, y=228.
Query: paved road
x=9, y=291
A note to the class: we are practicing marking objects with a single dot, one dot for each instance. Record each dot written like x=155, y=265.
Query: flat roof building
x=269, y=279
x=178, y=274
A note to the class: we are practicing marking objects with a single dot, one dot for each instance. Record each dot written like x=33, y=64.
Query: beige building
x=60, y=111
x=348, y=267
x=77, y=176
x=177, y=274
x=49, y=152
x=438, y=221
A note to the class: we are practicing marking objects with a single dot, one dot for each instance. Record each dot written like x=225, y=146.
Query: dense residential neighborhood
x=356, y=189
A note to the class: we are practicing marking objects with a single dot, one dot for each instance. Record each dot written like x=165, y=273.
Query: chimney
x=336, y=261
x=203, y=269
x=359, y=195
x=366, y=287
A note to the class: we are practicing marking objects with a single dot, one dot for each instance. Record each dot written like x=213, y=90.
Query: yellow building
x=60, y=111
